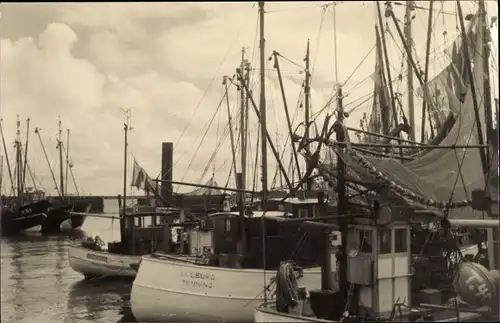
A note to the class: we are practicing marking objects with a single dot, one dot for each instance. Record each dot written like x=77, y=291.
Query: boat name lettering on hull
x=197, y=279
x=97, y=257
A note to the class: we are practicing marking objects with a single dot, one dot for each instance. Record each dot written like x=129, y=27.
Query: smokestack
x=167, y=162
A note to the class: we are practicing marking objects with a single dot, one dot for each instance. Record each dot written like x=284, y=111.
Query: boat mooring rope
x=287, y=289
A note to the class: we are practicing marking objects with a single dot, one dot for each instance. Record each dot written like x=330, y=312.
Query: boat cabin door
x=226, y=234
x=379, y=261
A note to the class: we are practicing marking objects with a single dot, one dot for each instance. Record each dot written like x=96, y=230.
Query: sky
x=85, y=64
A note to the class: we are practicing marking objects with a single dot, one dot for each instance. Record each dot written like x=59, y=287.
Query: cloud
x=165, y=62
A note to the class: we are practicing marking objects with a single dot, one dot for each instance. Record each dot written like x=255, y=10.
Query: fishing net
x=441, y=178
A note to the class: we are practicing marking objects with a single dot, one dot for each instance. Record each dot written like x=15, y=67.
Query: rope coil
x=287, y=289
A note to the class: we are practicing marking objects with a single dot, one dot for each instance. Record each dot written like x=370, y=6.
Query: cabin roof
x=296, y=200
x=255, y=214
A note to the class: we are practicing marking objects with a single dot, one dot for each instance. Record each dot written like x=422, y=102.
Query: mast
x=247, y=100
x=262, y=107
x=409, y=58
x=263, y=138
x=126, y=128
x=386, y=63
x=341, y=193
x=243, y=130
x=241, y=178
x=307, y=94
x=19, y=163
x=59, y=146
x=25, y=162
x=470, y=73
x=230, y=123
x=486, y=78
x=379, y=92
x=37, y=131
x=493, y=235
x=67, y=162
x=9, y=170
x=287, y=113
x=1, y=178
x=426, y=71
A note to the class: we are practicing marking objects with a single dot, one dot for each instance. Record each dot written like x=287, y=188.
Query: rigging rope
x=333, y=96
x=218, y=146
x=296, y=112
x=203, y=137
x=318, y=39
x=217, y=138
x=226, y=55
x=70, y=169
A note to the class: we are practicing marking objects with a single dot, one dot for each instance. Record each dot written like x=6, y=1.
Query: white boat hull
x=167, y=288
x=35, y=229
x=91, y=263
x=266, y=313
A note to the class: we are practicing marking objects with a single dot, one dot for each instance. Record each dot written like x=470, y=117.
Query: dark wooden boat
x=59, y=215
x=25, y=217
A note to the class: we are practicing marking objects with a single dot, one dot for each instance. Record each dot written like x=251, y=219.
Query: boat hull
x=61, y=214
x=102, y=264
x=167, y=288
x=28, y=216
x=266, y=313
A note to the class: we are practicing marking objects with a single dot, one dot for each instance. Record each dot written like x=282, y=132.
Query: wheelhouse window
x=401, y=240
x=227, y=225
x=365, y=241
x=384, y=240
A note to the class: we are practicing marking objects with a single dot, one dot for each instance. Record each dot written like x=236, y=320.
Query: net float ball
x=475, y=285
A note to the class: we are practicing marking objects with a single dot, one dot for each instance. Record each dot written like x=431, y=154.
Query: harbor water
x=38, y=285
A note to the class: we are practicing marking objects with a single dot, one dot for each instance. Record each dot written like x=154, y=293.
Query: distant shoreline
x=106, y=197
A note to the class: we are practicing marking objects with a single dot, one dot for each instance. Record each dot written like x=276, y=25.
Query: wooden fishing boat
x=224, y=283
x=27, y=209
x=141, y=233
x=144, y=228
x=101, y=264
x=26, y=217
x=63, y=217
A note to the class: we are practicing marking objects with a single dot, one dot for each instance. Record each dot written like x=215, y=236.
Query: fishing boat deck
x=439, y=314
x=183, y=258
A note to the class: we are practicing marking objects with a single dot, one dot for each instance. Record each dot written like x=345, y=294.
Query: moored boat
x=169, y=286
x=65, y=216
x=142, y=231
x=26, y=217
x=96, y=263
x=213, y=277
x=93, y=258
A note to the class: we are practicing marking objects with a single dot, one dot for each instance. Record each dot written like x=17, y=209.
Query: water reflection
x=126, y=311
x=62, y=255
x=32, y=276
x=94, y=300
x=37, y=283
x=18, y=278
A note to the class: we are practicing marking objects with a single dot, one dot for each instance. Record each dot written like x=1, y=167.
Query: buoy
x=66, y=226
x=475, y=285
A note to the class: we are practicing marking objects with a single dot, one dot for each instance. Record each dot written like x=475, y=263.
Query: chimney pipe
x=167, y=163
